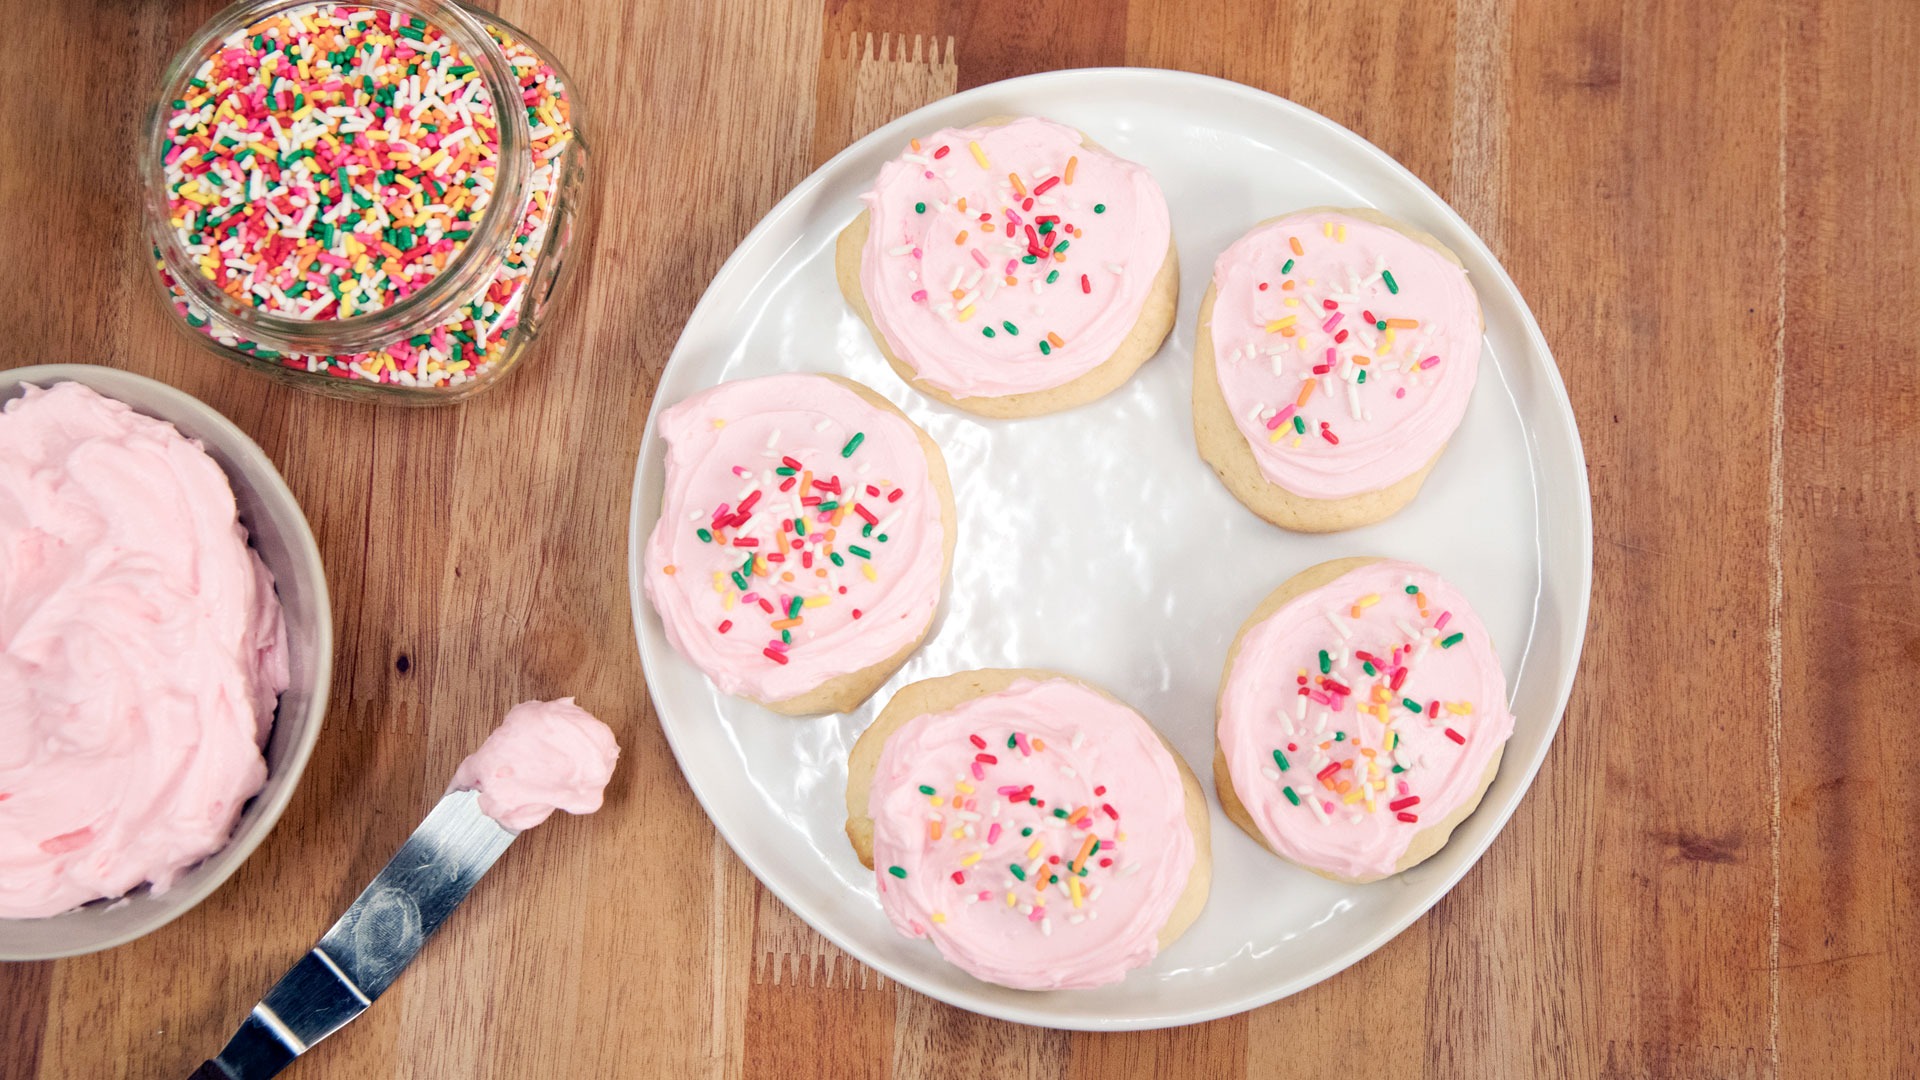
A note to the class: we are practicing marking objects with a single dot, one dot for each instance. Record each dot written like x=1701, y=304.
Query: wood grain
x=1710, y=206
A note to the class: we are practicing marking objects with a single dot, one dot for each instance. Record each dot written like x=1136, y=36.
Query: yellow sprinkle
x=867, y=569
x=726, y=598
x=817, y=601
x=1351, y=797
x=1278, y=433
x=1281, y=323
x=1368, y=600
x=1073, y=889
x=970, y=858
x=966, y=313
x=959, y=833
x=719, y=582
x=936, y=800
x=963, y=787
x=939, y=917
x=1010, y=900
x=1296, y=440
x=979, y=155
x=718, y=423
x=1343, y=234
x=1034, y=850
x=1326, y=228
x=1459, y=708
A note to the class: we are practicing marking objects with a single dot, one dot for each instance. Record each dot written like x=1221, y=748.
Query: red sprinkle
x=1456, y=737
x=1107, y=809
x=1087, y=286
x=1101, y=790
x=1340, y=338
x=861, y=509
x=787, y=484
x=1330, y=305
x=1407, y=817
x=791, y=464
x=856, y=611
x=942, y=152
x=986, y=759
x=1106, y=862
x=1329, y=436
x=959, y=878
x=746, y=541
x=726, y=625
x=1050, y=183
x=1328, y=771
x=978, y=742
x=894, y=495
x=1263, y=286
x=777, y=658
x=1433, y=708
x=1399, y=677
x=1402, y=804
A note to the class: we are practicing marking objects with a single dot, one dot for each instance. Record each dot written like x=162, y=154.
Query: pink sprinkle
x=777, y=645
x=980, y=257
x=993, y=834
x=984, y=895
x=1006, y=789
x=1429, y=362
x=1020, y=740
x=1327, y=806
x=1332, y=360
x=750, y=598
x=1333, y=320
x=916, y=253
x=1319, y=698
x=1402, y=788
x=1035, y=915
x=1400, y=393
x=1441, y=622
x=978, y=772
x=920, y=296
x=1280, y=417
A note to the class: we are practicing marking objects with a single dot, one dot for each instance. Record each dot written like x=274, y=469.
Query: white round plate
x=1097, y=543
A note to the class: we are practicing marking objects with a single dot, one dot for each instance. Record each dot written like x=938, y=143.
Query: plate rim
x=1561, y=691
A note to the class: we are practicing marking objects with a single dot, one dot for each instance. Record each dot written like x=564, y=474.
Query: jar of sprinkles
x=365, y=199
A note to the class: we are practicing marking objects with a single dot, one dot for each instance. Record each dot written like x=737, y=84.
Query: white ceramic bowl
x=280, y=534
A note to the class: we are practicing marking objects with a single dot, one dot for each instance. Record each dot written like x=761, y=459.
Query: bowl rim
x=258, y=472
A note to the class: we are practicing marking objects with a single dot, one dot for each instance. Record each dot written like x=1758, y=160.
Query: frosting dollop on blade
x=545, y=756
x=1360, y=713
x=142, y=653
x=1345, y=349
x=1010, y=259
x=800, y=538
x=1037, y=835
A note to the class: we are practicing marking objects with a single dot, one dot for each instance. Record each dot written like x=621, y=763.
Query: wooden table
x=1710, y=206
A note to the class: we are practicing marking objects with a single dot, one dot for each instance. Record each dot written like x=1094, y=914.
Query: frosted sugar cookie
x=1335, y=355
x=1038, y=831
x=804, y=539
x=1012, y=268
x=1361, y=717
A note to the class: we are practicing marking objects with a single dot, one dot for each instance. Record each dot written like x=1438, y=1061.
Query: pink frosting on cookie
x=1340, y=765
x=545, y=756
x=1079, y=232
x=141, y=653
x=800, y=537
x=1022, y=787
x=1346, y=351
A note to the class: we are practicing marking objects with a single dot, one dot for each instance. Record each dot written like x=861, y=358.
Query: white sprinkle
x=1068, y=773
x=901, y=250
x=773, y=437
x=1313, y=804
x=1079, y=739
x=1270, y=772
x=1076, y=920
x=1339, y=624
x=1132, y=868
x=823, y=425
x=1046, y=925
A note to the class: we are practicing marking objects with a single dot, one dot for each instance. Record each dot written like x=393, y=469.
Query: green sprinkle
x=1291, y=797
x=1029, y=259
x=1448, y=643
x=1061, y=246
x=1046, y=227
x=925, y=790
x=1028, y=831
x=1058, y=812
x=882, y=537
x=853, y=444
x=1014, y=869
x=1398, y=768
x=1410, y=703
x=987, y=330
x=1046, y=349
x=837, y=560
x=1010, y=742
x=826, y=506
x=1099, y=208
x=794, y=606
x=1339, y=736
x=1368, y=666
x=739, y=582
x=705, y=536
x=800, y=526
x=866, y=530
x=1287, y=267
x=785, y=471
x=1011, y=329
x=919, y=208
x=1299, y=425
x=1381, y=325
x=1053, y=276
x=786, y=637
x=1280, y=759
x=1363, y=376
x=1326, y=663
x=1033, y=802
x=1413, y=590
x=860, y=551
x=1392, y=286
x=896, y=871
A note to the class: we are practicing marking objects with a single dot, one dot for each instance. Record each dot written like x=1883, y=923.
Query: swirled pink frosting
x=954, y=223
x=545, y=756
x=1384, y=398
x=1341, y=760
x=769, y=469
x=141, y=653
x=1017, y=785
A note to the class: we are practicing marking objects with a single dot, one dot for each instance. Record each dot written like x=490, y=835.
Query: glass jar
x=406, y=283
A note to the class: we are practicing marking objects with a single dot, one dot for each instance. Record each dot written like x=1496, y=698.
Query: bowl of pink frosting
x=166, y=647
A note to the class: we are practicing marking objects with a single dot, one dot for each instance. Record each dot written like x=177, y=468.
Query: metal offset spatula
x=371, y=944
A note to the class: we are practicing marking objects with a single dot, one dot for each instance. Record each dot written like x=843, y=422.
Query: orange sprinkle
x=962, y=238
x=1306, y=391
x=1037, y=745
x=1086, y=848
x=962, y=204
x=933, y=829
x=1059, y=256
x=786, y=575
x=1067, y=176
x=958, y=293
x=915, y=143
x=988, y=227
x=1011, y=280
x=1294, y=243
x=1018, y=187
x=1403, y=324
x=1055, y=339
x=669, y=569
x=784, y=624
x=1287, y=285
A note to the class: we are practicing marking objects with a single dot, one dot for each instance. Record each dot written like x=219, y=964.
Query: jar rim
x=465, y=275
